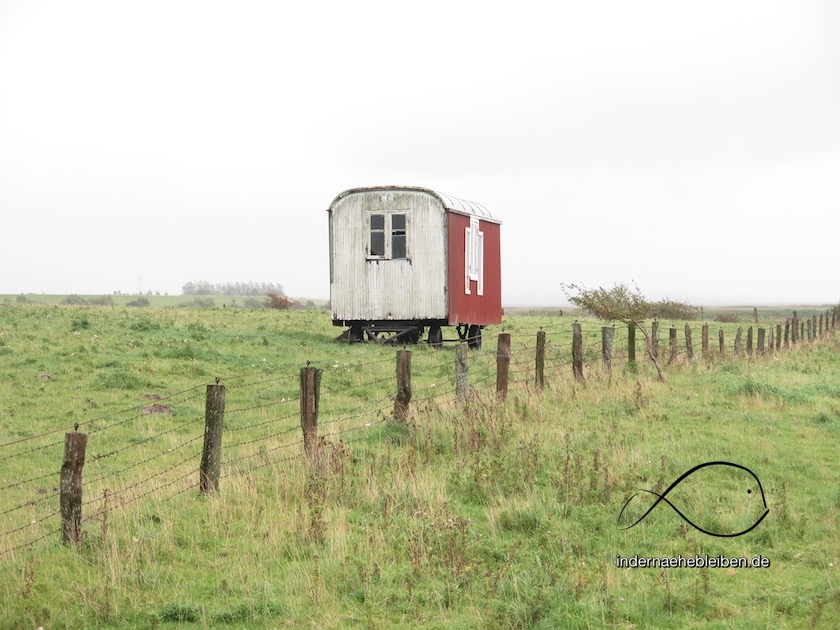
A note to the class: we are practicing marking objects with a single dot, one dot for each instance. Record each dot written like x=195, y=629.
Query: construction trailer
x=405, y=260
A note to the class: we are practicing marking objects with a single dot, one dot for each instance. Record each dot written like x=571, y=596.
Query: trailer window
x=388, y=236
x=397, y=236
x=377, y=235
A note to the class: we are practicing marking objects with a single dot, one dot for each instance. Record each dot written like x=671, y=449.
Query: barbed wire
x=75, y=426
x=147, y=460
x=282, y=399
x=32, y=523
x=114, y=493
x=255, y=425
x=263, y=437
x=30, y=542
x=427, y=366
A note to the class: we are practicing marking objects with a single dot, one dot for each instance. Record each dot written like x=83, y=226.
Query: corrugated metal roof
x=461, y=206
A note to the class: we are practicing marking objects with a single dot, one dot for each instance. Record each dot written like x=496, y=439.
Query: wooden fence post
x=821, y=325
x=502, y=365
x=211, y=456
x=672, y=343
x=810, y=329
x=801, y=330
x=70, y=485
x=310, y=392
x=403, y=396
x=462, y=385
x=577, y=352
x=738, y=334
x=689, y=347
x=794, y=330
x=539, y=364
x=761, y=333
x=778, y=337
x=704, y=340
x=607, y=333
x=787, y=333
x=721, y=347
x=654, y=338
x=750, y=341
x=771, y=340
x=631, y=345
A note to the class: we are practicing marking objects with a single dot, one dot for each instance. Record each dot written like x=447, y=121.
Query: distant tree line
x=231, y=288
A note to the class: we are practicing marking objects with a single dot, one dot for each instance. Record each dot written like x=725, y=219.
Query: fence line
x=521, y=359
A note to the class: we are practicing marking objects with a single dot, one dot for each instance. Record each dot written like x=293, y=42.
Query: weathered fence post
x=539, y=364
x=689, y=347
x=794, y=330
x=738, y=334
x=750, y=341
x=310, y=392
x=502, y=365
x=607, y=333
x=704, y=340
x=787, y=333
x=771, y=340
x=462, y=386
x=761, y=333
x=577, y=352
x=631, y=345
x=810, y=329
x=70, y=485
x=672, y=345
x=821, y=325
x=801, y=330
x=403, y=396
x=654, y=338
x=721, y=347
x=778, y=337
x=211, y=456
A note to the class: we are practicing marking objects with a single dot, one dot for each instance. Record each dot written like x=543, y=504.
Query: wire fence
x=155, y=449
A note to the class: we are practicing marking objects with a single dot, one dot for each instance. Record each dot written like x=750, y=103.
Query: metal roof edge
x=454, y=204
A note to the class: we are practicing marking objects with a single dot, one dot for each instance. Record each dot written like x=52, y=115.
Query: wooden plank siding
x=367, y=289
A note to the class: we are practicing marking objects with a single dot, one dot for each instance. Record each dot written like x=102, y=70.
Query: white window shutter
x=467, y=262
x=480, y=257
x=473, y=248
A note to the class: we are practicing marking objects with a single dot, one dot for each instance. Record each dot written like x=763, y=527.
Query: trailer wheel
x=355, y=334
x=435, y=337
x=474, y=337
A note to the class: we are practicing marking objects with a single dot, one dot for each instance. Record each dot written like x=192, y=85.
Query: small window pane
x=377, y=244
x=398, y=222
x=377, y=222
x=398, y=246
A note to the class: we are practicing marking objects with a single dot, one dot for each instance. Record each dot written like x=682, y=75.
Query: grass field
x=490, y=515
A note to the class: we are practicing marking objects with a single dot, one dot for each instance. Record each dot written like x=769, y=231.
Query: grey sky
x=693, y=148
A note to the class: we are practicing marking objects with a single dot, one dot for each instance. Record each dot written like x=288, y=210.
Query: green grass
x=494, y=515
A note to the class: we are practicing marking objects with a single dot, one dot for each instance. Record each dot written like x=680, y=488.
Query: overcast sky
x=693, y=148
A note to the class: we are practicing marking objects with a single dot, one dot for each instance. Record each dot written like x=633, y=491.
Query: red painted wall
x=473, y=308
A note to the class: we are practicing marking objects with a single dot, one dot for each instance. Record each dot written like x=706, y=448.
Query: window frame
x=389, y=234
